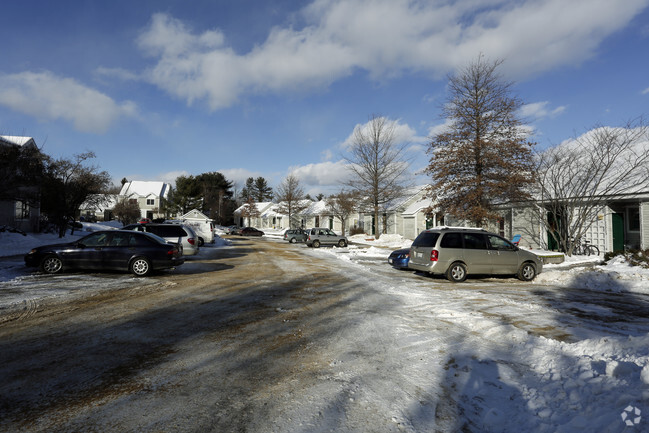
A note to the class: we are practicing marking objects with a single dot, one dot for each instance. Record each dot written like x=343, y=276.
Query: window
x=633, y=219
x=475, y=241
x=426, y=239
x=22, y=210
x=499, y=243
x=451, y=240
x=150, y=201
x=95, y=240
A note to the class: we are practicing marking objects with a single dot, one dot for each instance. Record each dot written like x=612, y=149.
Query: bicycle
x=586, y=249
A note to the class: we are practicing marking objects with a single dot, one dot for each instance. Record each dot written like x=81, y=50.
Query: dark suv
x=178, y=233
x=458, y=252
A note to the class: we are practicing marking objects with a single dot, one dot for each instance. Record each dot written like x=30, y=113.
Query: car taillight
x=434, y=255
x=171, y=252
x=191, y=241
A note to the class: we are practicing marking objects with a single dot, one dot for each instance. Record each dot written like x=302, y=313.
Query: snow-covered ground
x=546, y=370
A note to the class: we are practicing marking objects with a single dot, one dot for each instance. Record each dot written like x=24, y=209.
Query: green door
x=618, y=232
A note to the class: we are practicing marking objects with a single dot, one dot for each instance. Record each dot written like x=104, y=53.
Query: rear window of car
x=167, y=231
x=452, y=240
x=426, y=239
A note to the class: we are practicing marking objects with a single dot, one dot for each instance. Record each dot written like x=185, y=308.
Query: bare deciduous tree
x=291, y=199
x=250, y=210
x=342, y=205
x=378, y=165
x=68, y=184
x=577, y=179
x=483, y=156
x=127, y=211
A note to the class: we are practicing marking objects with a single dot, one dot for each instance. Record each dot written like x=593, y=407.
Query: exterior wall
x=597, y=233
x=644, y=225
x=8, y=217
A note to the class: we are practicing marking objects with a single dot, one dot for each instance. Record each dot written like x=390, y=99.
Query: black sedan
x=126, y=250
x=250, y=231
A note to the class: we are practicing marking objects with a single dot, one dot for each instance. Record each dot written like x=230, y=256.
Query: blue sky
x=253, y=88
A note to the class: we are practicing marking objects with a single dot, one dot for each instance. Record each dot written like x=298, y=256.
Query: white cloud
x=239, y=176
x=645, y=91
x=327, y=174
x=540, y=110
x=440, y=128
x=49, y=97
x=403, y=134
x=385, y=38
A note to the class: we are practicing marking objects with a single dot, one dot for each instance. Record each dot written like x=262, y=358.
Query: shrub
x=356, y=231
x=634, y=257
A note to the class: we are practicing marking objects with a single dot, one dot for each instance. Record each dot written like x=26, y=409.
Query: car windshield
x=426, y=239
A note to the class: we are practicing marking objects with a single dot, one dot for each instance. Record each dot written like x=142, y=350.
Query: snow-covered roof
x=261, y=207
x=143, y=188
x=195, y=214
x=99, y=202
x=17, y=140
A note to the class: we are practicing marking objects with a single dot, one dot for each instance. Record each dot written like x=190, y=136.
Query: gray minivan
x=458, y=252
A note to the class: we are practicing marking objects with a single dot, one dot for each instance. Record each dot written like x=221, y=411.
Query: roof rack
x=459, y=228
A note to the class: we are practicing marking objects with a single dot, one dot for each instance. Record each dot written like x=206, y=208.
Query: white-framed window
x=633, y=219
x=22, y=210
x=150, y=202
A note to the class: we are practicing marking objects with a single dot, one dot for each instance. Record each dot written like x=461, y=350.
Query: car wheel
x=201, y=242
x=293, y=240
x=140, y=266
x=316, y=244
x=456, y=273
x=342, y=243
x=527, y=272
x=51, y=264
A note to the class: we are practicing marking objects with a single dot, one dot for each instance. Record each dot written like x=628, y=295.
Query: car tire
x=342, y=243
x=456, y=273
x=527, y=272
x=316, y=244
x=201, y=242
x=51, y=264
x=140, y=267
x=293, y=240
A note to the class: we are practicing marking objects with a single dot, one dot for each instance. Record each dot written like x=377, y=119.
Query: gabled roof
x=143, y=188
x=195, y=214
x=17, y=140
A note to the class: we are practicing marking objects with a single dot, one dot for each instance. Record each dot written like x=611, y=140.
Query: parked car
x=250, y=231
x=323, y=236
x=204, y=229
x=295, y=235
x=400, y=258
x=122, y=250
x=234, y=230
x=179, y=233
x=458, y=252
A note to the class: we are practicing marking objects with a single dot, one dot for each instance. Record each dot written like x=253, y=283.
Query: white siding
x=597, y=232
x=644, y=225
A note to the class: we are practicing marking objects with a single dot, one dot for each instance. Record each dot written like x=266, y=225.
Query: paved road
x=259, y=337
